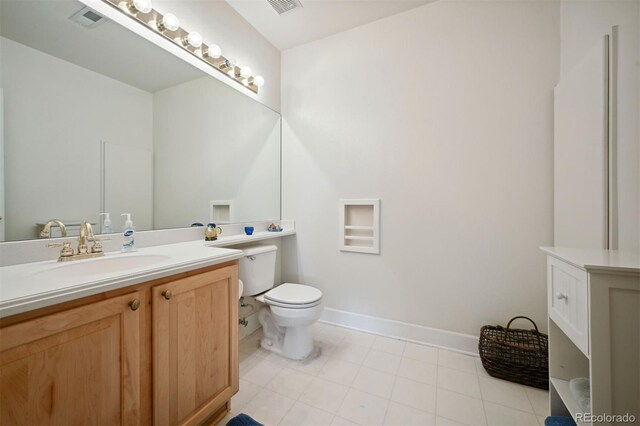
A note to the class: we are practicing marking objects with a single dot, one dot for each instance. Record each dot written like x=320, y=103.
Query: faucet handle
x=66, y=251
x=97, y=247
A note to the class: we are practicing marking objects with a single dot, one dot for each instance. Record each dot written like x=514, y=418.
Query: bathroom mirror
x=97, y=119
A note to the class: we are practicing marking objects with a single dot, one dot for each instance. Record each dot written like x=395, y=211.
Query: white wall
x=56, y=114
x=445, y=113
x=584, y=23
x=219, y=23
x=212, y=144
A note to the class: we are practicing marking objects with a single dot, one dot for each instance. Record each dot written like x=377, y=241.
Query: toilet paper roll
x=240, y=288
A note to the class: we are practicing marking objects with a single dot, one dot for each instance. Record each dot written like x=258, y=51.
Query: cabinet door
x=195, y=345
x=75, y=367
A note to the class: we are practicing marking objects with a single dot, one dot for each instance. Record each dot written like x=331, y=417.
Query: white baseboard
x=458, y=342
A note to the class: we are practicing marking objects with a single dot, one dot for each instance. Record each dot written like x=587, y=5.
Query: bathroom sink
x=34, y=285
x=102, y=265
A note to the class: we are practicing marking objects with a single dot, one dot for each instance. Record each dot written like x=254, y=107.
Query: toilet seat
x=292, y=296
x=289, y=306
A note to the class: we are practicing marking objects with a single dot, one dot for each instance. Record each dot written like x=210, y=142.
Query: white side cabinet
x=594, y=332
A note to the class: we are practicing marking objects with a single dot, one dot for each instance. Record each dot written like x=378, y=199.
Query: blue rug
x=243, y=420
x=559, y=421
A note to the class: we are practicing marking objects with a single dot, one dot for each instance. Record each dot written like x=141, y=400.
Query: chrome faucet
x=83, y=252
x=46, y=231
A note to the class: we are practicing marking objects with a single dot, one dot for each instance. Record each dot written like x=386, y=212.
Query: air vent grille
x=87, y=17
x=282, y=6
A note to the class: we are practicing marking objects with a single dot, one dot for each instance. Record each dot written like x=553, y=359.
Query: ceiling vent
x=283, y=6
x=87, y=17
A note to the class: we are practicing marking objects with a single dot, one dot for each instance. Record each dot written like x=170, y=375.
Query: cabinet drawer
x=567, y=296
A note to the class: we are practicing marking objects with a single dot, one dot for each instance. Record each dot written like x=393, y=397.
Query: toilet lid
x=293, y=294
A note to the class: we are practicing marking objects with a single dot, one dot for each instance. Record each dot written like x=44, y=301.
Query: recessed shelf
x=356, y=237
x=360, y=225
x=220, y=211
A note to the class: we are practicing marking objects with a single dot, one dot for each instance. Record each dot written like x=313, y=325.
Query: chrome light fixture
x=168, y=26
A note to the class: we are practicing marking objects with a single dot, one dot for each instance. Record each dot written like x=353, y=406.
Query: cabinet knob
x=561, y=296
x=134, y=304
x=167, y=294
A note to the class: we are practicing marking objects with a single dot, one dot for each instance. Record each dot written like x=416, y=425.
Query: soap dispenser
x=106, y=225
x=128, y=241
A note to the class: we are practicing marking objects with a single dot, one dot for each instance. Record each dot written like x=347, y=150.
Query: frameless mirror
x=97, y=119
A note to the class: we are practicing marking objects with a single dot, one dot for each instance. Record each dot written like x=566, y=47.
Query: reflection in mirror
x=97, y=119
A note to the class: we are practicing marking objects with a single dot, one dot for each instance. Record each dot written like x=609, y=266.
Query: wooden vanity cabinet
x=77, y=366
x=163, y=352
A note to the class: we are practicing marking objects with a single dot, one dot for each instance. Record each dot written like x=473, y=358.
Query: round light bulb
x=214, y=51
x=258, y=80
x=169, y=22
x=230, y=63
x=194, y=39
x=245, y=72
x=143, y=6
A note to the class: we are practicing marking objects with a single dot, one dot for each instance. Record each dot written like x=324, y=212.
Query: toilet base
x=292, y=348
x=293, y=342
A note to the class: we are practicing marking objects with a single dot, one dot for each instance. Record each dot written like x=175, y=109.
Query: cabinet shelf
x=564, y=392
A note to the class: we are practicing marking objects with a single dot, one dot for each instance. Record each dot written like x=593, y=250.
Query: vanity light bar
x=168, y=26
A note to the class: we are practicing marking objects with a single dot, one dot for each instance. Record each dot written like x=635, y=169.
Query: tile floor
x=364, y=379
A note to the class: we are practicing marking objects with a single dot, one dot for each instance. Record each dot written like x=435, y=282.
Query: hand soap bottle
x=128, y=241
x=106, y=225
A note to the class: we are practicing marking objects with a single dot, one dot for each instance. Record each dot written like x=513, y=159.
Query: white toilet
x=291, y=308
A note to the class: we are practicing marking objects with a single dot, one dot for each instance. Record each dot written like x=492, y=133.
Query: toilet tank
x=257, y=269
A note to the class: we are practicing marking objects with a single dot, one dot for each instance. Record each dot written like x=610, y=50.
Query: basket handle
x=523, y=317
x=527, y=318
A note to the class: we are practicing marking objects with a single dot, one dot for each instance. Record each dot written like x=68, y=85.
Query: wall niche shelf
x=360, y=225
x=221, y=211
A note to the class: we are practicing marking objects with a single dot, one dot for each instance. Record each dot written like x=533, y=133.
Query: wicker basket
x=517, y=355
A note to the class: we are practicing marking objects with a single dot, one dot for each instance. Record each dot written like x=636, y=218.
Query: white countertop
x=597, y=259
x=28, y=286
